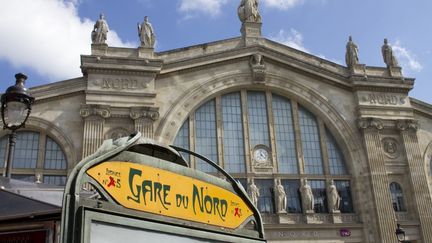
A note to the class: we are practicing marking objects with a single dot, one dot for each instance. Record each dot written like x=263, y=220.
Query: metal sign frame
x=81, y=207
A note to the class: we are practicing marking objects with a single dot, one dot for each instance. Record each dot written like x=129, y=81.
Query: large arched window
x=265, y=136
x=37, y=157
x=397, y=197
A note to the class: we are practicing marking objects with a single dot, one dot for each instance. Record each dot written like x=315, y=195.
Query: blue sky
x=44, y=38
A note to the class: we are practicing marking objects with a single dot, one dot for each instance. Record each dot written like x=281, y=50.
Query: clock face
x=261, y=155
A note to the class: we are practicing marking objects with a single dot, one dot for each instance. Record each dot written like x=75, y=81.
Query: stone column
x=94, y=120
x=418, y=177
x=144, y=117
x=385, y=220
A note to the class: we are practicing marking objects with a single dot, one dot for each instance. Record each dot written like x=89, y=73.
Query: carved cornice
x=144, y=112
x=365, y=123
x=95, y=110
x=406, y=125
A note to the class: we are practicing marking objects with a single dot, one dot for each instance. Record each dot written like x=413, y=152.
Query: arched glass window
x=335, y=156
x=258, y=121
x=26, y=150
x=36, y=151
x=233, y=143
x=397, y=197
x=54, y=156
x=206, y=135
x=285, y=136
x=311, y=142
x=182, y=139
x=252, y=133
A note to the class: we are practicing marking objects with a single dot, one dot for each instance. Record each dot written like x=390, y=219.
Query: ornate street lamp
x=400, y=233
x=16, y=105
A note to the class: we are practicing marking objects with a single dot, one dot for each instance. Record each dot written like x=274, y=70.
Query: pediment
x=231, y=50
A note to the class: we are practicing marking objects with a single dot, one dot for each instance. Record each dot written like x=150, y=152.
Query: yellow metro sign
x=158, y=191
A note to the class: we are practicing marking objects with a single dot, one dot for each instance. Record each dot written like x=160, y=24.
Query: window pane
x=26, y=150
x=336, y=159
x=311, y=142
x=320, y=196
x=234, y=153
x=55, y=180
x=182, y=139
x=205, y=131
x=3, y=147
x=397, y=197
x=293, y=195
x=266, y=198
x=54, y=156
x=258, y=122
x=284, y=133
x=344, y=190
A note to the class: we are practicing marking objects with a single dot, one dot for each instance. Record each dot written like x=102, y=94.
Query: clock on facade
x=261, y=155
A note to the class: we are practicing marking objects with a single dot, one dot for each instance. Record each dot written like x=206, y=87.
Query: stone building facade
x=265, y=112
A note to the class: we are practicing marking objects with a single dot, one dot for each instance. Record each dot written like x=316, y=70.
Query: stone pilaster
x=418, y=177
x=145, y=52
x=380, y=185
x=144, y=117
x=94, y=120
x=251, y=32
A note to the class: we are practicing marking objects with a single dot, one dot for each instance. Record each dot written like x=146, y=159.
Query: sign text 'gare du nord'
x=158, y=191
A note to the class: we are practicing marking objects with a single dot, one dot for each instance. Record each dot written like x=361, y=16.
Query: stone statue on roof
x=100, y=31
x=248, y=11
x=146, y=33
x=351, y=55
x=388, y=56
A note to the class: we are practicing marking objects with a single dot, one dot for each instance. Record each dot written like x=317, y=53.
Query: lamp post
x=16, y=105
x=400, y=233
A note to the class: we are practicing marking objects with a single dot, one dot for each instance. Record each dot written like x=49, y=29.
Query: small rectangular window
x=320, y=196
x=293, y=195
x=266, y=198
x=344, y=190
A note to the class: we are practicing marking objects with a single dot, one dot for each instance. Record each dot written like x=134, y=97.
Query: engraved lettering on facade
x=297, y=234
x=119, y=83
x=384, y=99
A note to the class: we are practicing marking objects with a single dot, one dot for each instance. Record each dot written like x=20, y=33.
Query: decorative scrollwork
x=144, y=112
x=95, y=110
x=404, y=125
x=365, y=123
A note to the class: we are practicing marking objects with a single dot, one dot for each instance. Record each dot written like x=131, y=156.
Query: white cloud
x=293, y=39
x=281, y=4
x=330, y=59
x=406, y=58
x=47, y=36
x=211, y=7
